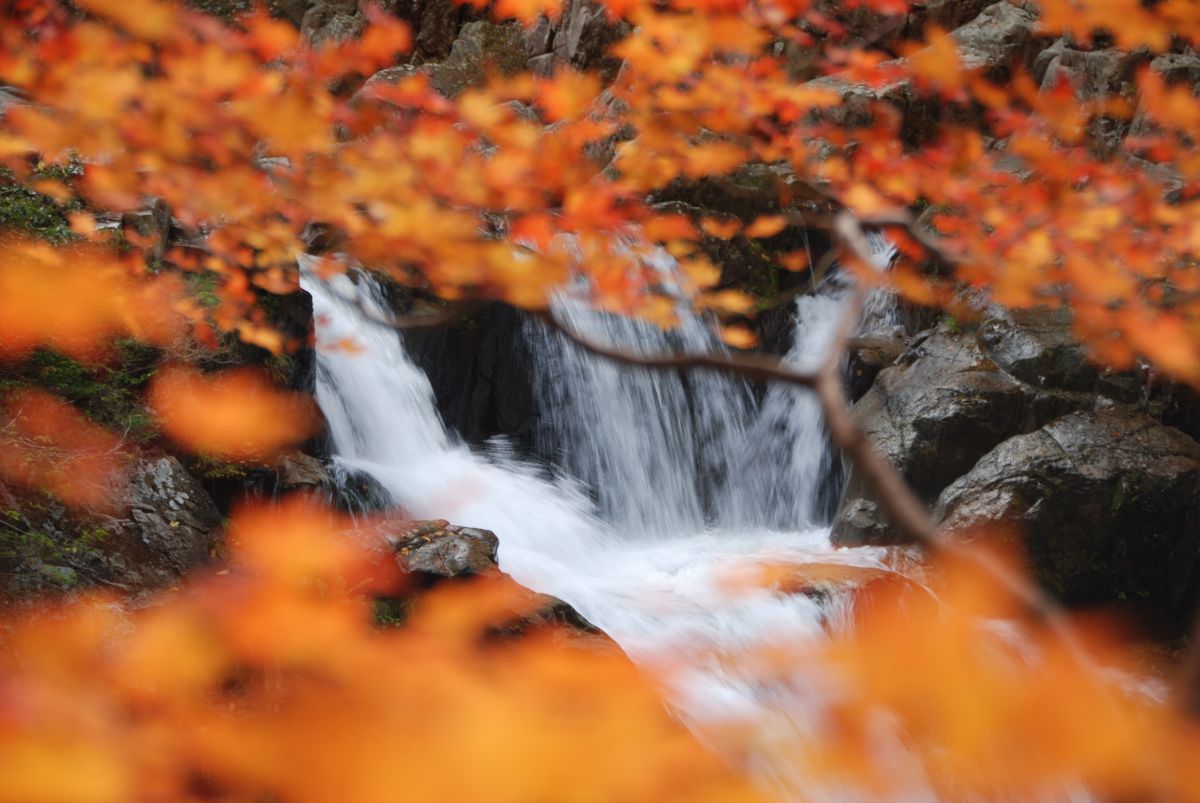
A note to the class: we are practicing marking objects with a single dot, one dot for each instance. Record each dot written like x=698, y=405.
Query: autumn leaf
x=235, y=414
x=147, y=19
x=47, y=444
x=74, y=299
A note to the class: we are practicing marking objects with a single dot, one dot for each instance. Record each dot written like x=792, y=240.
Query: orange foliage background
x=266, y=679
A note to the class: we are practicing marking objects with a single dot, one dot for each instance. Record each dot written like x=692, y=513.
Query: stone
x=480, y=48
x=1037, y=346
x=1001, y=35
x=171, y=527
x=332, y=21
x=167, y=526
x=441, y=549
x=1178, y=68
x=299, y=470
x=1105, y=503
x=933, y=414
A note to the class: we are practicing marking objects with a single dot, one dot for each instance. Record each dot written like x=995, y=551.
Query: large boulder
x=933, y=415
x=1106, y=503
x=1037, y=346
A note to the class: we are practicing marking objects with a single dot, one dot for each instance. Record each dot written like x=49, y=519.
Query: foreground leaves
x=269, y=679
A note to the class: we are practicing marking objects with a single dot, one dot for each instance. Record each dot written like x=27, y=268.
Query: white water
x=662, y=491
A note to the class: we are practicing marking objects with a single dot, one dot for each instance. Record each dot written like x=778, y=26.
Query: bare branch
x=751, y=366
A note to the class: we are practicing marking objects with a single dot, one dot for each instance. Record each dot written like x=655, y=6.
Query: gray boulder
x=480, y=48
x=1037, y=346
x=1001, y=35
x=1107, y=505
x=171, y=527
x=441, y=549
x=933, y=415
x=332, y=21
x=168, y=526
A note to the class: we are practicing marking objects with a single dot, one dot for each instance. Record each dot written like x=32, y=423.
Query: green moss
x=203, y=287
x=30, y=212
x=110, y=392
x=279, y=367
x=392, y=611
x=214, y=468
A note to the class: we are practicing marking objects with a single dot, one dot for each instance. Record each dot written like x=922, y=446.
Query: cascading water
x=662, y=491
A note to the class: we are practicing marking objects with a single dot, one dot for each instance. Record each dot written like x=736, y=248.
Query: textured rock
x=1107, y=504
x=332, y=21
x=1001, y=35
x=1038, y=347
x=933, y=415
x=480, y=48
x=437, y=551
x=481, y=371
x=298, y=470
x=169, y=526
x=1093, y=74
x=442, y=549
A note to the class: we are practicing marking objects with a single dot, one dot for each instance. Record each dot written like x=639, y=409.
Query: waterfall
x=659, y=486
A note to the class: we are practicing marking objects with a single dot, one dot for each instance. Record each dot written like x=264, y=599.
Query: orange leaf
x=147, y=19
x=766, y=226
x=237, y=414
x=46, y=443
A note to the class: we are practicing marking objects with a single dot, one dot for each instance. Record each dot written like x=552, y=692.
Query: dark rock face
x=170, y=526
x=481, y=47
x=933, y=415
x=1036, y=346
x=1107, y=504
x=482, y=375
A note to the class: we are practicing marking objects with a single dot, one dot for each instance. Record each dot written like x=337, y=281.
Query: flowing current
x=657, y=487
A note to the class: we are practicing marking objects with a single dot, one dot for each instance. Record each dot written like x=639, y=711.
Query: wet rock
x=1106, y=504
x=1037, y=346
x=302, y=471
x=544, y=611
x=437, y=551
x=933, y=415
x=481, y=370
x=442, y=549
